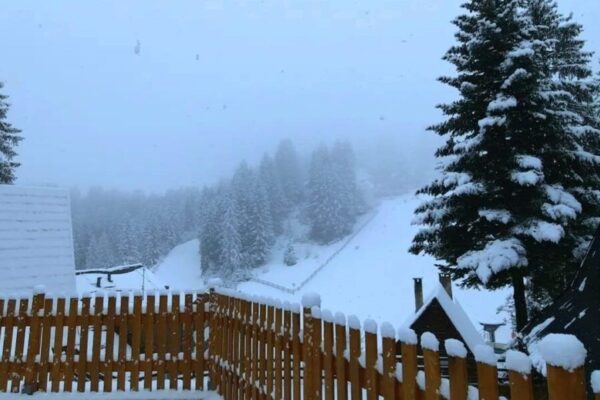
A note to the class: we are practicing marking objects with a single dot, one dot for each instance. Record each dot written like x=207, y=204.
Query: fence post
x=389, y=361
x=340, y=361
x=212, y=340
x=317, y=332
x=565, y=371
x=370, y=327
x=353, y=362
x=430, y=346
x=457, y=369
x=31, y=384
x=408, y=339
x=487, y=372
x=309, y=300
x=328, y=363
x=519, y=375
x=596, y=384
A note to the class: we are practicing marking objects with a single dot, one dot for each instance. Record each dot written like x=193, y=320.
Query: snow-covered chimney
x=418, y=293
x=109, y=277
x=99, y=282
x=446, y=282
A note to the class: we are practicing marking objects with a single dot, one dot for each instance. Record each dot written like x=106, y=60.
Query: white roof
x=135, y=280
x=457, y=316
x=36, y=239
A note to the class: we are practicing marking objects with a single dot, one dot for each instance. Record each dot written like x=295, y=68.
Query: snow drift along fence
x=102, y=344
x=262, y=350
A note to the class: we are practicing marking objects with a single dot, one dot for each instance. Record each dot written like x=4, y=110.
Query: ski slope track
x=370, y=275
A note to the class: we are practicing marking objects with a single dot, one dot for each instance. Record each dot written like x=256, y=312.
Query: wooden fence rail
x=251, y=349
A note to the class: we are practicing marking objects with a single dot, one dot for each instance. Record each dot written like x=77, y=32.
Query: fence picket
x=17, y=369
x=44, y=356
x=457, y=370
x=174, y=341
x=432, y=374
x=83, y=344
x=123, y=336
x=563, y=384
x=71, y=337
x=297, y=355
x=317, y=334
x=8, y=324
x=136, y=318
x=278, y=347
x=30, y=384
x=161, y=341
x=409, y=370
x=487, y=376
x=340, y=361
x=148, y=333
x=328, y=360
x=199, y=319
x=354, y=365
x=287, y=353
x=370, y=362
x=96, y=343
x=388, y=382
x=57, y=348
x=109, y=351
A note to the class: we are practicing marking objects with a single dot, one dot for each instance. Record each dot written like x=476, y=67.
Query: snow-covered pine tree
x=262, y=225
x=210, y=250
x=128, y=238
x=290, y=258
x=9, y=139
x=502, y=209
x=230, y=246
x=344, y=166
x=288, y=166
x=242, y=184
x=100, y=253
x=272, y=183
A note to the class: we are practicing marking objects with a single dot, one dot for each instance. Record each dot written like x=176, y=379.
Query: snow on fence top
x=36, y=239
x=564, y=351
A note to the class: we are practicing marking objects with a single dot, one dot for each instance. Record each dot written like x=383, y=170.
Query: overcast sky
x=215, y=82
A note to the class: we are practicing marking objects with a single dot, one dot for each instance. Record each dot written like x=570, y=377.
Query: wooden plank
x=199, y=318
x=136, y=340
x=308, y=357
x=248, y=349
x=46, y=331
x=161, y=341
x=354, y=366
x=269, y=347
x=388, y=381
x=432, y=374
x=109, y=351
x=71, y=337
x=255, y=347
x=83, y=344
x=174, y=341
x=33, y=344
x=457, y=370
x=563, y=384
x=187, y=329
x=370, y=365
x=317, y=367
x=148, y=341
x=328, y=364
x=7, y=346
x=487, y=376
x=287, y=354
x=17, y=372
x=296, y=355
x=409, y=370
x=521, y=386
x=96, y=343
x=340, y=361
x=278, y=353
x=57, y=348
x=262, y=348
x=123, y=336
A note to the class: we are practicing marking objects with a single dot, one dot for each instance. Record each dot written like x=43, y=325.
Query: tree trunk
x=520, y=302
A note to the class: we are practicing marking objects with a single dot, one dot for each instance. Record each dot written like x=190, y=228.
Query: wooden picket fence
x=100, y=344
x=249, y=348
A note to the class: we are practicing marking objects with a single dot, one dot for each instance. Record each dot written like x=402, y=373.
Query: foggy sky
x=215, y=82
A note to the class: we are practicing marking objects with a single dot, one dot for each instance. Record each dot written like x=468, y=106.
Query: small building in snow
x=576, y=312
x=443, y=316
x=36, y=240
x=123, y=278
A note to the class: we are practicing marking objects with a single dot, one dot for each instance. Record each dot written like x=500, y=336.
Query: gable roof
x=36, y=239
x=576, y=312
x=455, y=313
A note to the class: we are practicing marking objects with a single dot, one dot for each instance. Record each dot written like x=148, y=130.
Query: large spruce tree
x=9, y=139
x=506, y=206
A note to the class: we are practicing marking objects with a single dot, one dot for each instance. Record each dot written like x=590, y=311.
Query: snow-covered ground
x=371, y=277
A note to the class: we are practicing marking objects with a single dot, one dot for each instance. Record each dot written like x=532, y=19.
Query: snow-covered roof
x=36, y=239
x=124, y=278
x=457, y=316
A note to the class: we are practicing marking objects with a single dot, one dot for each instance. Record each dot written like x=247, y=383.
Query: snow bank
x=430, y=342
x=311, y=299
x=485, y=354
x=518, y=362
x=455, y=348
x=563, y=351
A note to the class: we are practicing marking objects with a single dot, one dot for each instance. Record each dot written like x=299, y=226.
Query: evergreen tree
x=100, y=253
x=128, y=238
x=230, y=246
x=262, y=225
x=272, y=184
x=504, y=207
x=210, y=250
x=290, y=173
x=289, y=257
x=9, y=139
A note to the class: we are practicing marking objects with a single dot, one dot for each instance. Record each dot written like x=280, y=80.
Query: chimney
x=446, y=282
x=418, y=293
x=109, y=277
x=98, y=281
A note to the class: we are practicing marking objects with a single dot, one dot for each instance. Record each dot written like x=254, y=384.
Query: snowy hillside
x=371, y=276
